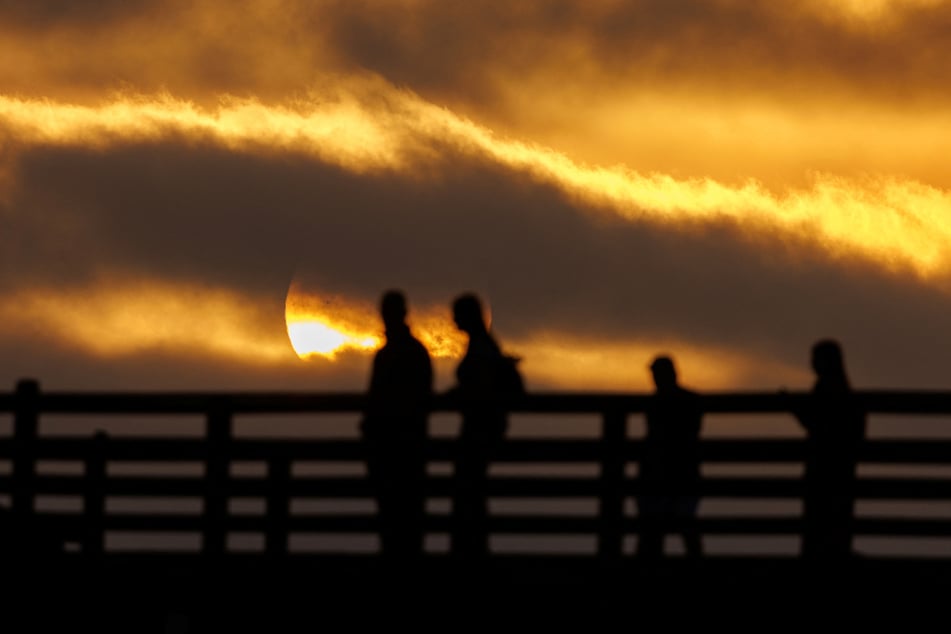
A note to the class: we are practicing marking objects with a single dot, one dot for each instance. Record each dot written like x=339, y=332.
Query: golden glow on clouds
x=870, y=10
x=683, y=133
x=565, y=361
x=119, y=319
x=780, y=140
x=335, y=129
x=322, y=325
x=892, y=221
x=311, y=337
x=122, y=319
x=554, y=359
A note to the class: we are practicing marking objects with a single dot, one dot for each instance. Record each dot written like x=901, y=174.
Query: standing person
x=670, y=468
x=835, y=428
x=394, y=431
x=485, y=378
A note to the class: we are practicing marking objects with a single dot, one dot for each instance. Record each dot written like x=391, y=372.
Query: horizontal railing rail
x=72, y=484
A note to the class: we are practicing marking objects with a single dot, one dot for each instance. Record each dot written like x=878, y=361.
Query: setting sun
x=311, y=337
x=322, y=325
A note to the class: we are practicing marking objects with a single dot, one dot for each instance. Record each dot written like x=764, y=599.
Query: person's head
x=827, y=361
x=393, y=309
x=467, y=313
x=664, y=373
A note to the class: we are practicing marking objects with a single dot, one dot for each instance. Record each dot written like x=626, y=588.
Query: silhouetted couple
x=395, y=428
x=670, y=468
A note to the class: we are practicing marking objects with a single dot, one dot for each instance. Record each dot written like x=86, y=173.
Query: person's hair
x=828, y=361
x=468, y=310
x=663, y=369
x=393, y=306
x=663, y=363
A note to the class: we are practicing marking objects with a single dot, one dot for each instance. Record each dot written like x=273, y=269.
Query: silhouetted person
x=485, y=378
x=835, y=427
x=394, y=430
x=670, y=469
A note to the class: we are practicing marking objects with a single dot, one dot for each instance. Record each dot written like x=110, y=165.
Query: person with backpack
x=488, y=382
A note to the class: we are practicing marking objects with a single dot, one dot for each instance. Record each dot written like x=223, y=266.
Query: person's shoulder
x=677, y=394
x=422, y=352
x=417, y=346
x=382, y=353
x=687, y=402
x=688, y=394
x=485, y=346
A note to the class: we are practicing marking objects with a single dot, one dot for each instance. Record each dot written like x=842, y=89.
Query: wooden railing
x=222, y=469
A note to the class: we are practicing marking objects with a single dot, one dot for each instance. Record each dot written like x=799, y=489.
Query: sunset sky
x=194, y=194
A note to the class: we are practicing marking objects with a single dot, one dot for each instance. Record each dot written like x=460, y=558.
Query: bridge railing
x=218, y=490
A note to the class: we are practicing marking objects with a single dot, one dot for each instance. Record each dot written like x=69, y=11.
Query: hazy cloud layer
x=203, y=215
x=45, y=13
x=720, y=88
x=722, y=44
x=460, y=50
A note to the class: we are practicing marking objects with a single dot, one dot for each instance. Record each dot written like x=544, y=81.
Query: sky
x=209, y=195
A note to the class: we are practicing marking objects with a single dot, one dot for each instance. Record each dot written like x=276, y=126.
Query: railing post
x=278, y=505
x=218, y=440
x=94, y=499
x=23, y=477
x=613, y=436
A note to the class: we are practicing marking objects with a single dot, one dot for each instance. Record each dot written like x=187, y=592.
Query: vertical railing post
x=94, y=498
x=278, y=505
x=218, y=441
x=23, y=476
x=613, y=436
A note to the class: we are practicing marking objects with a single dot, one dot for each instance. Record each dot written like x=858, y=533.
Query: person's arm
x=425, y=374
x=374, y=392
x=800, y=410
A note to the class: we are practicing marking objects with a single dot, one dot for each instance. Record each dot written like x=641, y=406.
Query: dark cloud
x=46, y=13
x=457, y=52
x=183, y=211
x=722, y=44
x=203, y=215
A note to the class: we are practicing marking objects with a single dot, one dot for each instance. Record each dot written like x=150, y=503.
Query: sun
x=322, y=325
x=311, y=337
x=325, y=326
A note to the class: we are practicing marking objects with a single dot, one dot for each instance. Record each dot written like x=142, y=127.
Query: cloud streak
x=113, y=319
x=893, y=222
x=460, y=53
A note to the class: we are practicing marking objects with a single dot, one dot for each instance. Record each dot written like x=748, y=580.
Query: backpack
x=508, y=378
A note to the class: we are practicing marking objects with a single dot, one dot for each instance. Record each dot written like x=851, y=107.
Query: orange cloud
x=113, y=320
x=869, y=11
x=892, y=221
x=552, y=360
x=322, y=325
x=566, y=361
x=128, y=317
x=787, y=123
